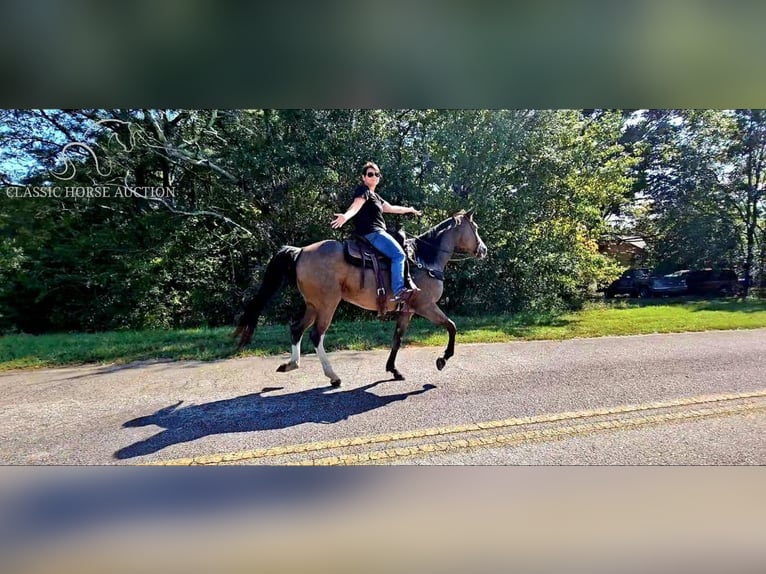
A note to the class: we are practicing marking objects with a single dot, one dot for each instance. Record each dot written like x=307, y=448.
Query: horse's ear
x=469, y=213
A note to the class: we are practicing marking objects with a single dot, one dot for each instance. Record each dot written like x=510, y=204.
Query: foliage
x=245, y=182
x=703, y=179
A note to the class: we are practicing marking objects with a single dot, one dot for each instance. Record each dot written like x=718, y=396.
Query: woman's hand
x=340, y=219
x=416, y=212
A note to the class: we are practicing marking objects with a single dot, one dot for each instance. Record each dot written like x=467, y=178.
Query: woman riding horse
x=324, y=279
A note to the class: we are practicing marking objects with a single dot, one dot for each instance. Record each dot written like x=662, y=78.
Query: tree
x=688, y=214
x=746, y=186
x=245, y=182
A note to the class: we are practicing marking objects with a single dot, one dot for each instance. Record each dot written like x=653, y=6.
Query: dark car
x=754, y=284
x=721, y=282
x=670, y=284
x=631, y=283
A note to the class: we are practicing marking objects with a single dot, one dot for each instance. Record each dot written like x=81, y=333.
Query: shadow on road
x=256, y=412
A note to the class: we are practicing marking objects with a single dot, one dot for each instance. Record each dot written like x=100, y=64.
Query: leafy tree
x=746, y=185
x=245, y=182
x=685, y=216
x=702, y=176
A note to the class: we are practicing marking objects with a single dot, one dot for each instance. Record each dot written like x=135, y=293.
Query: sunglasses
x=372, y=174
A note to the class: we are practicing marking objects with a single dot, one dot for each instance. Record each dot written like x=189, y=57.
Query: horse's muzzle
x=481, y=251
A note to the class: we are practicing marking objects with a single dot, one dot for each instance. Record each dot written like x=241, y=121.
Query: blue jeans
x=389, y=247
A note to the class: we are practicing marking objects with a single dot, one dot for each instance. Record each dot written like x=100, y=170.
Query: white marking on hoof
x=326, y=367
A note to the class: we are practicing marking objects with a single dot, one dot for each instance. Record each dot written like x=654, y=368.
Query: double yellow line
x=711, y=406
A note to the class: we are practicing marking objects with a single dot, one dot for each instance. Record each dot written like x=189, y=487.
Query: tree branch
x=172, y=209
x=62, y=128
x=157, y=129
x=195, y=213
x=181, y=155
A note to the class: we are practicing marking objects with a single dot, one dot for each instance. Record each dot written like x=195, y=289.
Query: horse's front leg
x=323, y=320
x=437, y=317
x=296, y=333
x=402, y=323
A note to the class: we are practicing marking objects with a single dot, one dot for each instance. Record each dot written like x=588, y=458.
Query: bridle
x=466, y=254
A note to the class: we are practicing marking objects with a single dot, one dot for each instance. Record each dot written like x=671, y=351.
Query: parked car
x=721, y=282
x=631, y=282
x=670, y=284
x=754, y=284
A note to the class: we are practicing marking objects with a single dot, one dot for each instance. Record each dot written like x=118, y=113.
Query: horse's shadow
x=255, y=412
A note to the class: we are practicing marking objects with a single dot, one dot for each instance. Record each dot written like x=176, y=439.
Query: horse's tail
x=281, y=268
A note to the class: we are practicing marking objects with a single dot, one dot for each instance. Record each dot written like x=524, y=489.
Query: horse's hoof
x=286, y=367
x=335, y=382
x=440, y=363
x=397, y=375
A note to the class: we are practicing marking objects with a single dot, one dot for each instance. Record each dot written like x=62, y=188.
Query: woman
x=368, y=208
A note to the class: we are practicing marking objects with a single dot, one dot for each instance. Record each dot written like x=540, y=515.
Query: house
x=630, y=250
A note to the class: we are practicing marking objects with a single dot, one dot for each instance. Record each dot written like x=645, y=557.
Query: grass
x=621, y=317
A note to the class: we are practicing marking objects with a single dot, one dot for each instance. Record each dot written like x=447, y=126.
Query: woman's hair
x=371, y=164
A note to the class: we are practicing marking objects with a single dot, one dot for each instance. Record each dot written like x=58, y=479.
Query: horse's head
x=467, y=237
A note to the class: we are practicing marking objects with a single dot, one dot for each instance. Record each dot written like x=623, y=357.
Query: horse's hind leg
x=296, y=333
x=437, y=317
x=324, y=318
x=402, y=323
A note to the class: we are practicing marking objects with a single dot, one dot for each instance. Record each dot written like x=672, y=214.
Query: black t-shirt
x=370, y=217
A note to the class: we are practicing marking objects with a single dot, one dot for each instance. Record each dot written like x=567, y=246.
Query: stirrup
x=405, y=295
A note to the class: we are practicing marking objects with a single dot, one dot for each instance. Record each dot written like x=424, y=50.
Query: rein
x=465, y=257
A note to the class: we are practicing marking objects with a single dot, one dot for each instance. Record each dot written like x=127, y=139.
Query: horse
x=324, y=279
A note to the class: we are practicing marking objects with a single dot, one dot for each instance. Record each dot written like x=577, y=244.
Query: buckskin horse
x=324, y=278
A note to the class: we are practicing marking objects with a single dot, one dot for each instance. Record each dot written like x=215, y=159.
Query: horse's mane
x=428, y=244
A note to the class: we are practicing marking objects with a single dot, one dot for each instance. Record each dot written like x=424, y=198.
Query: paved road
x=695, y=398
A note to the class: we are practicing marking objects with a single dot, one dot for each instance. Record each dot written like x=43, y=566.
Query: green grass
x=596, y=320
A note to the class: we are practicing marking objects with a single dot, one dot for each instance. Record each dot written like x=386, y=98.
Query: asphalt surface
x=693, y=398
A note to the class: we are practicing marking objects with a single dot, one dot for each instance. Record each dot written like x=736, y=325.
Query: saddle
x=361, y=253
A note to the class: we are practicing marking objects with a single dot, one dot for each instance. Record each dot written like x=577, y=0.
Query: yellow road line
x=522, y=437
x=442, y=431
